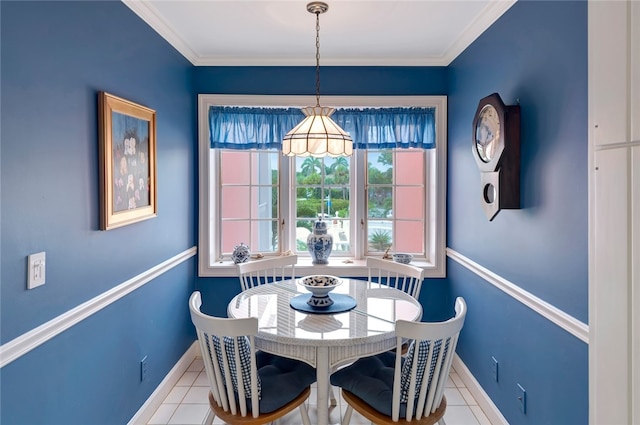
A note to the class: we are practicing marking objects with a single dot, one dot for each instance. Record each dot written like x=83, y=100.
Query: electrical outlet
x=143, y=368
x=494, y=368
x=522, y=399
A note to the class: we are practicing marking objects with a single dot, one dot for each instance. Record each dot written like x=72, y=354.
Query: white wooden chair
x=234, y=370
x=404, y=277
x=268, y=270
x=388, y=387
x=261, y=272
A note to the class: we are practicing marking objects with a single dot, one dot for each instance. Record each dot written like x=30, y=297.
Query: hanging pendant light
x=317, y=134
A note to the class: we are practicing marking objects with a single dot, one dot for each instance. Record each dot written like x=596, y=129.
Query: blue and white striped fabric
x=423, y=350
x=244, y=350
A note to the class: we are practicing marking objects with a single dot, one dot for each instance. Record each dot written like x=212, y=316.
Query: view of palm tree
x=323, y=186
x=311, y=166
x=323, y=191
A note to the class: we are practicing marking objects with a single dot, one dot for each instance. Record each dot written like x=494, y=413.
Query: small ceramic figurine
x=241, y=253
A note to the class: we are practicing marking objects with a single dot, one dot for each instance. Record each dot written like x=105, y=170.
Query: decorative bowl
x=320, y=286
x=402, y=258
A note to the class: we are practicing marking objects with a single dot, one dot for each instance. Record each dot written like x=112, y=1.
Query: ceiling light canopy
x=317, y=134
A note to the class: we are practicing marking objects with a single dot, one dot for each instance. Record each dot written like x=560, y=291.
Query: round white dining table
x=325, y=341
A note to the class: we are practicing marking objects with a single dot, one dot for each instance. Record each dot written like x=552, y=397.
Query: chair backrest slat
x=229, y=383
x=441, y=385
x=404, y=277
x=213, y=370
x=433, y=380
x=430, y=356
x=269, y=270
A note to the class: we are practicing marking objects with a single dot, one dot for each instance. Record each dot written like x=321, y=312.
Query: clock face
x=487, y=133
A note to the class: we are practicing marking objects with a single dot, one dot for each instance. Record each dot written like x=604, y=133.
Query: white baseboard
x=485, y=403
x=156, y=398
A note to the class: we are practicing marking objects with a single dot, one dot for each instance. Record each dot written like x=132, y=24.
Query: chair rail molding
x=567, y=322
x=28, y=341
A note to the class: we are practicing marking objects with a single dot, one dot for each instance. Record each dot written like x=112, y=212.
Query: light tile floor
x=187, y=403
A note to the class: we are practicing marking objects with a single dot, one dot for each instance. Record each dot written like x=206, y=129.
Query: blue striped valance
x=233, y=127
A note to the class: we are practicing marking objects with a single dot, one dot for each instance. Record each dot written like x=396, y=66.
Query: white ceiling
x=352, y=32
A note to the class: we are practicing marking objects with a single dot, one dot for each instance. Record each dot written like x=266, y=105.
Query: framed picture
x=127, y=162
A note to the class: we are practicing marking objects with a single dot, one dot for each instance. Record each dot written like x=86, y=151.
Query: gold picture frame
x=127, y=161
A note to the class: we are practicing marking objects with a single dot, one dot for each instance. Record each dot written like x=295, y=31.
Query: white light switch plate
x=36, y=272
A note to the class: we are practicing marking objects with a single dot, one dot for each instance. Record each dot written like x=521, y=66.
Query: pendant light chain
x=318, y=58
x=317, y=134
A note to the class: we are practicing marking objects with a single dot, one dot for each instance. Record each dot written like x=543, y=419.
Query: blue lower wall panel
x=547, y=361
x=90, y=373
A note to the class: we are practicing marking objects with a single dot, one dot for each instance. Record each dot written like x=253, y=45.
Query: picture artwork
x=131, y=162
x=127, y=162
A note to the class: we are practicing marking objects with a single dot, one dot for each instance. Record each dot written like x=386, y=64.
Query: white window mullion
x=215, y=196
x=358, y=203
x=287, y=207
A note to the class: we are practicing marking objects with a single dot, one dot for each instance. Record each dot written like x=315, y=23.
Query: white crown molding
x=149, y=13
x=210, y=61
x=491, y=13
x=28, y=341
x=567, y=322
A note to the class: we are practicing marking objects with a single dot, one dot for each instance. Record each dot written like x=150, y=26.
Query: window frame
x=435, y=225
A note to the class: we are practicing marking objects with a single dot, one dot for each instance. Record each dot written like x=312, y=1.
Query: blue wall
x=362, y=81
x=56, y=56
x=535, y=54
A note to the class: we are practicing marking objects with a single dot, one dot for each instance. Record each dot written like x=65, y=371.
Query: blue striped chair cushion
x=280, y=380
x=371, y=378
x=423, y=350
x=244, y=349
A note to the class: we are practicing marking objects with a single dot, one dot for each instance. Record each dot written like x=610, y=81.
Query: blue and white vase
x=320, y=243
x=241, y=253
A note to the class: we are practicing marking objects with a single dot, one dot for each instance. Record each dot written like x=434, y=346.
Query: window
x=380, y=199
x=249, y=200
x=396, y=191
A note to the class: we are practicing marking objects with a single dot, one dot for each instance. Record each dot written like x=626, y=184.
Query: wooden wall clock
x=496, y=148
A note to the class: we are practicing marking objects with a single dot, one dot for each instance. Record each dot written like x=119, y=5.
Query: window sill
x=341, y=267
